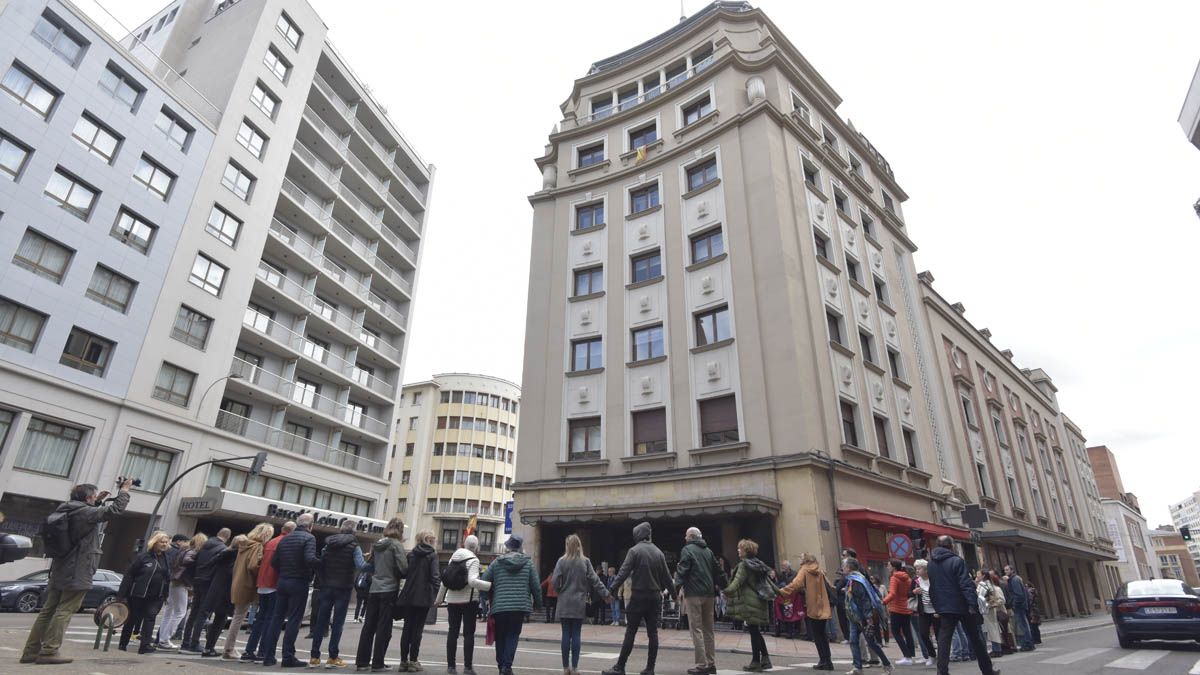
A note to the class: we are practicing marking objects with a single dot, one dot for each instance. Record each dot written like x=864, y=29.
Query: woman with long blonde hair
x=243, y=590
x=577, y=584
x=145, y=587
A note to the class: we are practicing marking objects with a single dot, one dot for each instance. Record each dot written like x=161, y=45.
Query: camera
x=137, y=482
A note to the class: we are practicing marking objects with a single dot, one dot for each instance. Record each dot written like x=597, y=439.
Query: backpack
x=454, y=577
x=55, y=532
x=766, y=589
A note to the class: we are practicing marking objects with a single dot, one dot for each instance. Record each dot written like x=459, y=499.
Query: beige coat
x=816, y=594
x=245, y=573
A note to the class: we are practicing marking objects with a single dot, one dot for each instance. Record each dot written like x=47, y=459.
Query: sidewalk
x=727, y=641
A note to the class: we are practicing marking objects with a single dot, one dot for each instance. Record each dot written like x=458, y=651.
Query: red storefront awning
x=855, y=523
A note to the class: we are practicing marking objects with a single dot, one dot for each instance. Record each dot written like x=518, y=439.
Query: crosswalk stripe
x=1078, y=655
x=1139, y=660
x=1195, y=669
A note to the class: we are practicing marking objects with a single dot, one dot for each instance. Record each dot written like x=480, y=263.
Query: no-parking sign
x=900, y=546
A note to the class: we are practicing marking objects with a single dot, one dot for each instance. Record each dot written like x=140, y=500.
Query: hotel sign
x=216, y=500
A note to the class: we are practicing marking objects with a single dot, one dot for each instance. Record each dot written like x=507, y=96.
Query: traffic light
x=1186, y=533
x=260, y=460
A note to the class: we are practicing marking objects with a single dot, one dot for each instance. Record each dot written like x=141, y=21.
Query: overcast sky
x=1050, y=183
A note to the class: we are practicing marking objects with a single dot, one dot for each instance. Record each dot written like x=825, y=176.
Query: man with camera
x=71, y=538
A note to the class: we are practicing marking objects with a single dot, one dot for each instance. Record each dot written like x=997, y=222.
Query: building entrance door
x=1056, y=581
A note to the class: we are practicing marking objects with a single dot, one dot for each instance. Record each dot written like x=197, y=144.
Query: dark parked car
x=1156, y=609
x=28, y=593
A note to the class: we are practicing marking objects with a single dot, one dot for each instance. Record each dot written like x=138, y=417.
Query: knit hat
x=514, y=543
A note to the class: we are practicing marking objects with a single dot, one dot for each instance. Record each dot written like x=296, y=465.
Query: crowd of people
x=198, y=583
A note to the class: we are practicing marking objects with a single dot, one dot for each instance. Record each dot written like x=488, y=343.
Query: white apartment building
x=458, y=433
x=1187, y=514
x=224, y=229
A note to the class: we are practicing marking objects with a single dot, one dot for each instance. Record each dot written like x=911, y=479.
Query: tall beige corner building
x=726, y=328
x=454, y=457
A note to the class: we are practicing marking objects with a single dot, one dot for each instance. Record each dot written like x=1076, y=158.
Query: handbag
x=490, y=635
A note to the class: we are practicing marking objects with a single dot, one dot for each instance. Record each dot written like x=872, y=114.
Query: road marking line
x=599, y=655
x=1078, y=655
x=1138, y=660
x=9, y=649
x=1194, y=671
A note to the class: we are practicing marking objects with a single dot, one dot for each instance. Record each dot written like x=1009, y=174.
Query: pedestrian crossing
x=1139, y=660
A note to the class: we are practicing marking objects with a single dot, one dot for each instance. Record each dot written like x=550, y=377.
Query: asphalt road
x=1089, y=652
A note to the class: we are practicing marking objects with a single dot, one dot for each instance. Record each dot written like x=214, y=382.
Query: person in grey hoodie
x=390, y=565
x=576, y=583
x=462, y=606
x=646, y=568
x=416, y=597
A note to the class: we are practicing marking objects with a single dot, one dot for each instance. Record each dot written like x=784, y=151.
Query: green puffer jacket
x=515, y=586
x=742, y=599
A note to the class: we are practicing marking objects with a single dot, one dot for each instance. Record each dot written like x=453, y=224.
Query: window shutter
x=650, y=425
x=718, y=414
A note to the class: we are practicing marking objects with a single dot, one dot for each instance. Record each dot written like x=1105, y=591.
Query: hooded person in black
x=218, y=601
x=202, y=575
x=646, y=568
x=416, y=597
x=341, y=559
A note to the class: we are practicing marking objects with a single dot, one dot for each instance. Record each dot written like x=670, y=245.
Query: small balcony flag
x=471, y=527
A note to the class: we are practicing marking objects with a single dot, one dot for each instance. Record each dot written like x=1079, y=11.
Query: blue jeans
x=1022, y=627
x=331, y=601
x=572, y=632
x=290, y=596
x=615, y=604
x=262, y=617
x=856, y=650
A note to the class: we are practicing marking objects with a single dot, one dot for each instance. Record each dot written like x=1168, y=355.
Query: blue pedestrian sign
x=508, y=509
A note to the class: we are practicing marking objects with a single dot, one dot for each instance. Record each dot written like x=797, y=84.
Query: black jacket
x=950, y=587
x=645, y=565
x=206, y=557
x=337, y=561
x=296, y=555
x=219, y=587
x=148, y=577
x=423, y=580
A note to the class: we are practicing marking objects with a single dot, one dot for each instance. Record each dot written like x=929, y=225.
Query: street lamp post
x=259, y=460
x=231, y=376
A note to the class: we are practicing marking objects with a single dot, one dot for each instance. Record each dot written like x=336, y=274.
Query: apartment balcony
x=410, y=221
x=332, y=176
x=311, y=205
x=257, y=432
x=377, y=184
x=345, y=277
x=387, y=311
x=338, y=141
x=363, y=248
x=289, y=344
x=344, y=109
x=573, y=121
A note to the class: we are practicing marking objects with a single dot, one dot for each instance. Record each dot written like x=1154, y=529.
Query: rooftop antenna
x=682, y=14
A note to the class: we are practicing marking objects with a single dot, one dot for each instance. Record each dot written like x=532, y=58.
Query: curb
x=617, y=645
x=1076, y=629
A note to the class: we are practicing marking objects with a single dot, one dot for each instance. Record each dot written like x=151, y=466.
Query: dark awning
x=739, y=505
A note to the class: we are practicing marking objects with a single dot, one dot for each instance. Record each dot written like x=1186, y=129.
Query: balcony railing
x=297, y=292
x=649, y=94
x=370, y=140
x=372, y=179
x=385, y=308
x=315, y=207
x=338, y=103
x=326, y=172
x=259, y=432
x=405, y=215
x=339, y=141
x=371, y=216
x=412, y=187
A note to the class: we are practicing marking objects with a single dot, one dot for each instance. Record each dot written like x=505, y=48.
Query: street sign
x=974, y=516
x=900, y=546
x=508, y=509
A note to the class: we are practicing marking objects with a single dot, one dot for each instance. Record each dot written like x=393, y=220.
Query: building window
x=156, y=179
x=881, y=293
x=697, y=110
x=888, y=203
x=96, y=138
x=174, y=384
x=882, y=437
x=258, y=317
x=834, y=323
x=602, y=107
x=250, y=138
x=111, y=289
x=1022, y=441
x=264, y=100
x=133, y=231
x=718, y=421
x=627, y=98
x=208, y=274
x=643, y=198
x=702, y=174
x=173, y=128
x=43, y=257
x=812, y=175
x=233, y=416
x=48, y=447
x=841, y=201
x=20, y=327
x=707, y=245
x=63, y=41
x=968, y=408
x=868, y=223
x=643, y=136
x=712, y=326
x=277, y=64
x=895, y=364
x=856, y=166
x=998, y=427
x=238, y=180
x=649, y=431
x=223, y=225
x=416, y=398
x=151, y=465
x=589, y=281
x=801, y=109
x=71, y=194
x=355, y=413
x=450, y=538
x=591, y=154
x=985, y=482
x=587, y=354
x=305, y=392
x=849, y=423
x=589, y=215
x=584, y=438
x=910, y=446
x=12, y=156
x=647, y=266
x=121, y=87
x=87, y=352
x=868, y=347
x=1014, y=493
x=821, y=243
x=828, y=136
x=29, y=91
x=853, y=269
x=288, y=30
x=191, y=327
x=648, y=343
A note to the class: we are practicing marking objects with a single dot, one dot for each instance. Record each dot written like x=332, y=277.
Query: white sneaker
x=904, y=662
x=929, y=663
x=167, y=644
x=854, y=671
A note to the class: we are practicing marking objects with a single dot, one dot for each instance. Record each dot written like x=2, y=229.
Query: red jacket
x=268, y=576
x=899, y=587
